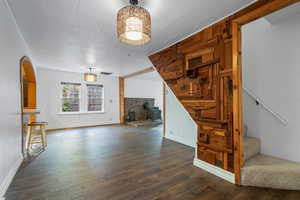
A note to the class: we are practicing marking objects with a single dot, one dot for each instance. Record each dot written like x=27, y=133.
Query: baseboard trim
x=230, y=177
x=92, y=126
x=179, y=140
x=9, y=177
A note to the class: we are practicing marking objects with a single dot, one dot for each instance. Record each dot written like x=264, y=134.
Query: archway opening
x=28, y=82
x=28, y=95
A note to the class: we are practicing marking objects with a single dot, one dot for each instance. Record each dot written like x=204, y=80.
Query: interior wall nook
x=204, y=72
x=28, y=84
x=28, y=92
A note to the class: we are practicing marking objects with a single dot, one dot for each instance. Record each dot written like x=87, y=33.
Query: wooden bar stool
x=41, y=134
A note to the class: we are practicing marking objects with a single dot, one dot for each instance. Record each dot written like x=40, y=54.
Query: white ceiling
x=284, y=14
x=72, y=35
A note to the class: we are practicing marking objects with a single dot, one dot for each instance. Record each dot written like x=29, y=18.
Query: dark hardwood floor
x=123, y=163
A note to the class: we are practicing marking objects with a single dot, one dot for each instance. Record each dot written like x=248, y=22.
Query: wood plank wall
x=204, y=73
x=199, y=71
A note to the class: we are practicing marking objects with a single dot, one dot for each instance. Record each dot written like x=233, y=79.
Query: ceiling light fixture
x=134, y=24
x=90, y=76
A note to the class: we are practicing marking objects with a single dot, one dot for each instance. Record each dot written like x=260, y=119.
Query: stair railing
x=259, y=101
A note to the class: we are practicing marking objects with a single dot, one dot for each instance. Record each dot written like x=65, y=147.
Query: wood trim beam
x=260, y=9
x=149, y=69
x=122, y=99
x=237, y=102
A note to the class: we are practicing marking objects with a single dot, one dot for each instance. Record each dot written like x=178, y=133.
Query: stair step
x=251, y=147
x=271, y=172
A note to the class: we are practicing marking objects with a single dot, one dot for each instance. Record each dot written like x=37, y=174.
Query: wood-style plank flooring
x=124, y=163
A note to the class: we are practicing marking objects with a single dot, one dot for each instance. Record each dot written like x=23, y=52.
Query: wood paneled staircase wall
x=199, y=71
x=204, y=72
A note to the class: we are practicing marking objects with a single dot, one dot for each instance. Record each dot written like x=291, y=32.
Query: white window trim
x=87, y=100
x=61, y=97
x=83, y=106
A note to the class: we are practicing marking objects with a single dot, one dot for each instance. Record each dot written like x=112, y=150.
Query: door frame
x=261, y=9
x=22, y=60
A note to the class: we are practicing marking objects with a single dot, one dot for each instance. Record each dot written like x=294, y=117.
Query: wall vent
x=106, y=73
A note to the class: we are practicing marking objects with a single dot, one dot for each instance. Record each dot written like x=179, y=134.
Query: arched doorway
x=28, y=93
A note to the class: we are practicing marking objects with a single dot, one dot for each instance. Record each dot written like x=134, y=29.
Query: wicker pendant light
x=134, y=24
x=90, y=76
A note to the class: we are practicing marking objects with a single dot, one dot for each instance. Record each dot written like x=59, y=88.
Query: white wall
x=49, y=92
x=136, y=87
x=179, y=125
x=12, y=49
x=271, y=69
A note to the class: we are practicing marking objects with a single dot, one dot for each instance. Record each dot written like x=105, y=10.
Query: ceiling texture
x=72, y=35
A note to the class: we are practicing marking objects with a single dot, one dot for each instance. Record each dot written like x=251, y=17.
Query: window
x=70, y=97
x=80, y=100
x=95, y=98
